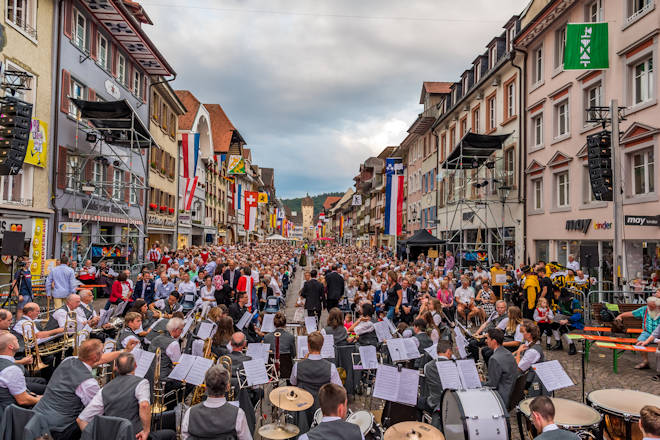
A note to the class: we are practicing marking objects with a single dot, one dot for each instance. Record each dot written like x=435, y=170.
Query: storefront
x=35, y=244
x=184, y=231
x=161, y=230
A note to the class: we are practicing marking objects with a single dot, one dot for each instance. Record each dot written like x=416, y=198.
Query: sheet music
x=104, y=317
x=432, y=351
x=383, y=332
x=144, y=362
x=198, y=370
x=244, y=320
x=205, y=330
x=301, y=347
x=267, y=323
x=180, y=371
x=396, y=386
x=449, y=375
x=390, y=325
x=402, y=349
x=461, y=342
x=310, y=324
x=412, y=351
x=120, y=309
x=197, y=348
x=467, y=369
x=328, y=348
x=552, y=375
x=258, y=350
x=368, y=357
x=255, y=372
x=189, y=322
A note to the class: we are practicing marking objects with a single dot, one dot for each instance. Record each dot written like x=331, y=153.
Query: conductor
x=334, y=406
x=314, y=295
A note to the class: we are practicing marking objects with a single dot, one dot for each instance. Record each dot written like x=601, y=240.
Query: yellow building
x=24, y=198
x=163, y=174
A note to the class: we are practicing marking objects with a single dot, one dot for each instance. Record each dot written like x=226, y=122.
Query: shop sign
x=160, y=221
x=581, y=225
x=184, y=218
x=603, y=225
x=69, y=227
x=16, y=224
x=642, y=220
x=96, y=206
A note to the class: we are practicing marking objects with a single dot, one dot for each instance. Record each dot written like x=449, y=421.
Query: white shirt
x=334, y=375
x=12, y=378
x=363, y=327
x=207, y=293
x=323, y=420
x=87, y=389
x=186, y=289
x=173, y=351
x=96, y=408
x=273, y=285
x=529, y=358
x=60, y=316
x=242, y=430
x=517, y=336
x=464, y=294
x=573, y=265
x=550, y=427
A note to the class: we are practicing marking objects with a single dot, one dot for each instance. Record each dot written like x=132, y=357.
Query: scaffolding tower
x=117, y=137
x=482, y=185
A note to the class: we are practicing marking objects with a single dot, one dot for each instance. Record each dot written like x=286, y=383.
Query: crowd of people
x=502, y=313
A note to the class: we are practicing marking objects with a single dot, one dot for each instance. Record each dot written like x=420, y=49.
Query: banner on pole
x=586, y=46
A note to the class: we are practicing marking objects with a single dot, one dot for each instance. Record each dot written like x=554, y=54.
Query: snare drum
x=620, y=409
x=474, y=414
x=572, y=416
x=365, y=420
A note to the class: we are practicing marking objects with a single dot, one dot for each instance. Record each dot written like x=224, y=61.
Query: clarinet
x=277, y=352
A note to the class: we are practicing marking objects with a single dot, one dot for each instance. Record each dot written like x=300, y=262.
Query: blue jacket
x=149, y=291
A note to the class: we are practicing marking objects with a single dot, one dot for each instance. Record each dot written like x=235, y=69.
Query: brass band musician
x=13, y=387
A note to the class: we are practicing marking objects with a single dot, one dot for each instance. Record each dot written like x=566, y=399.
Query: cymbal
x=277, y=431
x=291, y=398
x=413, y=431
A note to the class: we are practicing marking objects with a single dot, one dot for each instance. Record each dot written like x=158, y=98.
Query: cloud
x=317, y=87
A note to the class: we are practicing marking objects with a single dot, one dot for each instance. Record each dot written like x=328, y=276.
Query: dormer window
x=511, y=35
x=492, y=56
x=477, y=72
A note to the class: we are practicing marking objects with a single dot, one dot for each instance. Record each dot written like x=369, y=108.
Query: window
x=492, y=56
x=491, y=113
x=509, y=165
x=560, y=46
x=103, y=52
x=594, y=11
x=77, y=92
x=80, y=30
x=561, y=118
x=452, y=136
x=17, y=189
x=475, y=120
x=511, y=100
x=537, y=194
x=637, y=8
x=25, y=95
x=137, y=83
x=537, y=67
x=134, y=190
x=477, y=72
x=98, y=177
x=163, y=115
x=463, y=126
x=643, y=172
x=21, y=13
x=511, y=35
x=592, y=98
x=117, y=179
x=537, y=130
x=588, y=194
x=643, y=81
x=121, y=69
x=72, y=171
x=562, y=190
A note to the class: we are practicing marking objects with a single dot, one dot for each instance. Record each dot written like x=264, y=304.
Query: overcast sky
x=317, y=86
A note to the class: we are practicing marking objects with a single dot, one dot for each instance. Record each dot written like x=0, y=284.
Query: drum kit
x=569, y=415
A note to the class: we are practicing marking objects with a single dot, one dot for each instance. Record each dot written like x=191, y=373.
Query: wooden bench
x=619, y=349
x=628, y=323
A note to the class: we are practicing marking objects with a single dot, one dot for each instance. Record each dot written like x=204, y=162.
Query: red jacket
x=116, y=295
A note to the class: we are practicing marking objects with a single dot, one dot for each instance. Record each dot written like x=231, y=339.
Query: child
x=347, y=321
x=543, y=317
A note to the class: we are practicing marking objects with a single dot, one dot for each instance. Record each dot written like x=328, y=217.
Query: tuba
x=159, y=388
x=225, y=361
x=31, y=344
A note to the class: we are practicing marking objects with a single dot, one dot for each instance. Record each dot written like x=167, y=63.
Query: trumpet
x=30, y=340
x=225, y=361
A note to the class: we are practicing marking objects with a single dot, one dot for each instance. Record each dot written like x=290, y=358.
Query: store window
x=77, y=245
x=542, y=248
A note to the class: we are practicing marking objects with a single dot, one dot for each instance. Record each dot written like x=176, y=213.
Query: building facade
x=307, y=208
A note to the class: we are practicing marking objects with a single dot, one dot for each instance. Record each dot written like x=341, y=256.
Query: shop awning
x=103, y=218
x=116, y=122
x=473, y=150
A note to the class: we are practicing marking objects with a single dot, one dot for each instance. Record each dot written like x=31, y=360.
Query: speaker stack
x=15, y=124
x=599, y=150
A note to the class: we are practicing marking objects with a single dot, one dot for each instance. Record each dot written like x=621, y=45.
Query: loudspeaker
x=13, y=244
x=599, y=149
x=589, y=256
x=15, y=124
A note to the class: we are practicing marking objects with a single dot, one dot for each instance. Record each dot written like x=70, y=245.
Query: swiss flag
x=251, y=203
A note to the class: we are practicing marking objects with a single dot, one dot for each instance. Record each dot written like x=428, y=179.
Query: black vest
x=335, y=430
x=87, y=310
x=312, y=374
x=212, y=423
x=162, y=342
x=52, y=322
x=6, y=398
x=125, y=333
x=119, y=400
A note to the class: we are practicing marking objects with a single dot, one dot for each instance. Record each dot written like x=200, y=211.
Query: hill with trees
x=295, y=204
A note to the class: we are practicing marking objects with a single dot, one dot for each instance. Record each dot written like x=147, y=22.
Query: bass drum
x=620, y=409
x=365, y=420
x=572, y=416
x=474, y=414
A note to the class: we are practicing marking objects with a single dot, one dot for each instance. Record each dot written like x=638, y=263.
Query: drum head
x=318, y=416
x=363, y=419
x=568, y=413
x=471, y=413
x=622, y=402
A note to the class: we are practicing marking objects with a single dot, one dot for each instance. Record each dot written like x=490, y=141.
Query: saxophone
x=225, y=361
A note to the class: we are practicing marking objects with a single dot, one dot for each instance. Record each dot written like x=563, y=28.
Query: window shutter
x=144, y=88
x=66, y=87
x=113, y=61
x=91, y=95
x=67, y=14
x=141, y=193
x=89, y=168
x=61, y=167
x=129, y=74
x=127, y=191
x=110, y=179
x=93, y=42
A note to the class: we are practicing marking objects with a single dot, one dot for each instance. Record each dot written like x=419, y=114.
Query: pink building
x=562, y=216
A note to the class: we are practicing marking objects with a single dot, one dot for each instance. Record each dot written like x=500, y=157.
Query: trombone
x=31, y=344
x=158, y=406
x=225, y=361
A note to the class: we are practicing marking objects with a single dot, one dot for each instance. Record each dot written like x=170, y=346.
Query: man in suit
x=335, y=285
x=502, y=367
x=314, y=295
x=409, y=301
x=231, y=276
x=432, y=389
x=145, y=288
x=543, y=417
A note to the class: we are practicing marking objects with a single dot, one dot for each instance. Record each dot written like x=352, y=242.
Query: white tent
x=276, y=237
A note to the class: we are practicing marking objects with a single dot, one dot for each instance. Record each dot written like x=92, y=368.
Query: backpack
x=607, y=315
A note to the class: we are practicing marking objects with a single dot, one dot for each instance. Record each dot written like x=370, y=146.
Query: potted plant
x=153, y=206
x=163, y=208
x=171, y=210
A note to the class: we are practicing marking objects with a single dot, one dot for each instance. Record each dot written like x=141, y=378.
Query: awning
x=103, y=218
x=116, y=121
x=473, y=150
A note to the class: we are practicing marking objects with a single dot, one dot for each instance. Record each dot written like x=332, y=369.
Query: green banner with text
x=586, y=46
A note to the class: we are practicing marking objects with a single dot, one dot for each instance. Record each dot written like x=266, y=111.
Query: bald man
x=59, y=316
x=86, y=309
x=13, y=388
